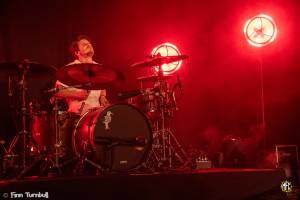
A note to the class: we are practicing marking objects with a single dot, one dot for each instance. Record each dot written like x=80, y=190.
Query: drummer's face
x=85, y=48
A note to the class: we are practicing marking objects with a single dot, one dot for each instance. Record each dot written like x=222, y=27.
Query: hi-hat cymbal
x=153, y=78
x=87, y=75
x=32, y=67
x=159, y=60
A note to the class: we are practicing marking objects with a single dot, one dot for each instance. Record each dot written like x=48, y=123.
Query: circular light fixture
x=260, y=30
x=167, y=49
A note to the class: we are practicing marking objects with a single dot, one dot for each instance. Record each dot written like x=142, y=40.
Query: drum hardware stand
x=168, y=145
x=82, y=158
x=26, y=142
x=55, y=166
x=57, y=145
x=24, y=113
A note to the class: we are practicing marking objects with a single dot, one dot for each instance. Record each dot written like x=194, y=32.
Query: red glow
x=260, y=30
x=168, y=49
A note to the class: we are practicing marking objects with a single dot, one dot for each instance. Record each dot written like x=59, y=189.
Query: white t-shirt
x=82, y=106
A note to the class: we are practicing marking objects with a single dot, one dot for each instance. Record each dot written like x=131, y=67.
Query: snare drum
x=117, y=137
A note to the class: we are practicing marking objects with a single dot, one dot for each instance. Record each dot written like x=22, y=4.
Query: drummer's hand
x=103, y=101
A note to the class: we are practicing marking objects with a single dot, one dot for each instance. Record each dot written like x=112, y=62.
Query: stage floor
x=197, y=184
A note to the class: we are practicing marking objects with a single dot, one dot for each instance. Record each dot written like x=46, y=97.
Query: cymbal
x=87, y=75
x=153, y=78
x=32, y=67
x=159, y=60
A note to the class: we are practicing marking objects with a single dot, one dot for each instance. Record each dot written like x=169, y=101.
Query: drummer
x=80, y=100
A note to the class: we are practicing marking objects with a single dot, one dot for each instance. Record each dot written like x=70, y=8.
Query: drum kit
x=130, y=135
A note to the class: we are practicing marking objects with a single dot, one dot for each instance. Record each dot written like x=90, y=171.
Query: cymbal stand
x=166, y=145
x=56, y=130
x=54, y=162
x=24, y=113
x=8, y=158
x=24, y=131
x=27, y=143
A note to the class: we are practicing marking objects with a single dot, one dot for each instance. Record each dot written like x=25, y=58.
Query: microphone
x=128, y=94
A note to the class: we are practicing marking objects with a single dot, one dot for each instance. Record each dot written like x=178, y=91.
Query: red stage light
x=260, y=30
x=167, y=49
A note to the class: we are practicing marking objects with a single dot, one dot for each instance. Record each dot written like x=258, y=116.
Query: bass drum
x=117, y=137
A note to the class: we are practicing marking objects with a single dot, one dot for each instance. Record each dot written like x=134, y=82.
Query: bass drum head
x=122, y=137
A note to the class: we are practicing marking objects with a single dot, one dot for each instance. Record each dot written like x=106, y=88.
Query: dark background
x=221, y=78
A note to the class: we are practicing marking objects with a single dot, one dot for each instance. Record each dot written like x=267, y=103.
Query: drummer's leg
x=66, y=131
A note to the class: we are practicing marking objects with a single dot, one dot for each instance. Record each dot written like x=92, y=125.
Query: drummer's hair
x=74, y=45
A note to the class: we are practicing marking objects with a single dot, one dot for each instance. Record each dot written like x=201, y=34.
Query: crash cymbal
x=153, y=78
x=32, y=67
x=159, y=60
x=87, y=75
